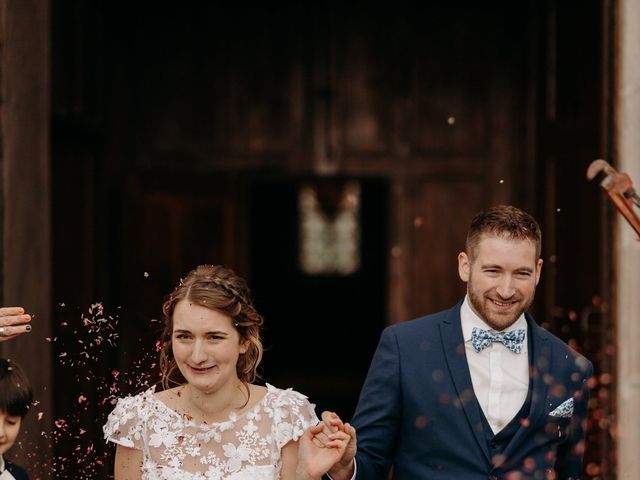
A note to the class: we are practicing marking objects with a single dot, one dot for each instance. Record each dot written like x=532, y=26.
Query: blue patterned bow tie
x=481, y=339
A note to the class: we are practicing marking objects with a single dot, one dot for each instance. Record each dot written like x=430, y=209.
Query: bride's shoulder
x=257, y=391
x=131, y=405
x=284, y=396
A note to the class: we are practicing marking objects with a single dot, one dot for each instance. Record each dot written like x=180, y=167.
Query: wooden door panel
x=172, y=223
x=443, y=209
x=364, y=118
x=214, y=85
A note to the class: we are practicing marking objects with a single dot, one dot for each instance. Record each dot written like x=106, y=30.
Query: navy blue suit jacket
x=418, y=412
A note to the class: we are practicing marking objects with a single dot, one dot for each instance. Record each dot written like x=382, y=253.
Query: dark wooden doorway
x=321, y=329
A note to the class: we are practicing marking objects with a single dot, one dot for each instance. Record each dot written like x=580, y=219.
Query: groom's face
x=501, y=276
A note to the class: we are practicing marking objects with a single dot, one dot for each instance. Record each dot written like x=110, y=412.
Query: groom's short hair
x=504, y=221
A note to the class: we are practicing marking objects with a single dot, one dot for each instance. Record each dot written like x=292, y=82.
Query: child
x=15, y=399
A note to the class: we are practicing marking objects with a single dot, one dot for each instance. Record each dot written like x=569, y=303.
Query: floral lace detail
x=245, y=446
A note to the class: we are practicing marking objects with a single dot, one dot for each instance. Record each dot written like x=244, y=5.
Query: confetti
x=84, y=342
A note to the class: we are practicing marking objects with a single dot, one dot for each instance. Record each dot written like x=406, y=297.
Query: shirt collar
x=6, y=475
x=2, y=466
x=469, y=319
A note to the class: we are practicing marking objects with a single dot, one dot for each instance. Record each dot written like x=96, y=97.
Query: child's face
x=9, y=428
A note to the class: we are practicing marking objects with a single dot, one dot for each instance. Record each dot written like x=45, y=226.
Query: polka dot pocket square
x=564, y=410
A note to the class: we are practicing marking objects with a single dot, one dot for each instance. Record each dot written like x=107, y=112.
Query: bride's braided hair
x=217, y=288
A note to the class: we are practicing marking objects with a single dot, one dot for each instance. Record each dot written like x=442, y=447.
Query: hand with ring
x=13, y=322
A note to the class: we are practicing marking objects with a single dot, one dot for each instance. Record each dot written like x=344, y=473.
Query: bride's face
x=206, y=346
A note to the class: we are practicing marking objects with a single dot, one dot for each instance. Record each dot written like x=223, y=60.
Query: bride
x=210, y=421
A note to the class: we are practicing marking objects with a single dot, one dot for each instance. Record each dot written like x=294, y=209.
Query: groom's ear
x=538, y=270
x=464, y=266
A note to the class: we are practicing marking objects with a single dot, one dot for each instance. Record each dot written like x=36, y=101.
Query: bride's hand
x=316, y=458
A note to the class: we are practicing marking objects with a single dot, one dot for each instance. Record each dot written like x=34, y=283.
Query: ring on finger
x=2, y=330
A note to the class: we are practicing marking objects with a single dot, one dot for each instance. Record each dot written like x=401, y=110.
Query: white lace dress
x=245, y=447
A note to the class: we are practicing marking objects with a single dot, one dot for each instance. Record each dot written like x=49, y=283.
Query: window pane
x=329, y=234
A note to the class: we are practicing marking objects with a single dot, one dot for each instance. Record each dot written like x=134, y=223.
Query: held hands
x=13, y=322
x=332, y=444
x=315, y=456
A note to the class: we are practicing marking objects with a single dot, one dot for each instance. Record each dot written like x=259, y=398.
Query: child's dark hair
x=16, y=394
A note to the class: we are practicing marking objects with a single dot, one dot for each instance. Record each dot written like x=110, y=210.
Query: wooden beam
x=26, y=257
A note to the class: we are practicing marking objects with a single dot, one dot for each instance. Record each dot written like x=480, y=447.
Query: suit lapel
x=453, y=346
x=539, y=370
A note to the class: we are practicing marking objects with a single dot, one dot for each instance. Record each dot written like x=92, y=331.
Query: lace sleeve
x=293, y=414
x=124, y=425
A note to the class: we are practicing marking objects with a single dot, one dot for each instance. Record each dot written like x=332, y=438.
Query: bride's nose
x=198, y=353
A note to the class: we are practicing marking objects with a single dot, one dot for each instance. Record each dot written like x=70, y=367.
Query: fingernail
x=27, y=317
x=21, y=311
x=27, y=328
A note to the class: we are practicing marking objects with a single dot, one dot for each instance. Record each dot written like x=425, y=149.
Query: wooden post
x=25, y=207
x=627, y=247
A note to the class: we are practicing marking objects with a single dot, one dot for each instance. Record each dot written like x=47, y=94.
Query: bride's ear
x=244, y=345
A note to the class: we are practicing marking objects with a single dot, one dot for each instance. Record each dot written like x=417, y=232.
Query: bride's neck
x=217, y=405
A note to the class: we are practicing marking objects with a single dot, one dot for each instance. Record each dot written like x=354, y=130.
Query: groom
x=479, y=391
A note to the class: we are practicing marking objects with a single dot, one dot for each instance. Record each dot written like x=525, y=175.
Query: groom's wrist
x=343, y=472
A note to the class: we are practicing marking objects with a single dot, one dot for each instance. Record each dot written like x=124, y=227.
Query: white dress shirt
x=499, y=376
x=4, y=474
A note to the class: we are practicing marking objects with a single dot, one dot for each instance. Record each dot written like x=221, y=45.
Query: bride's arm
x=289, y=457
x=128, y=464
